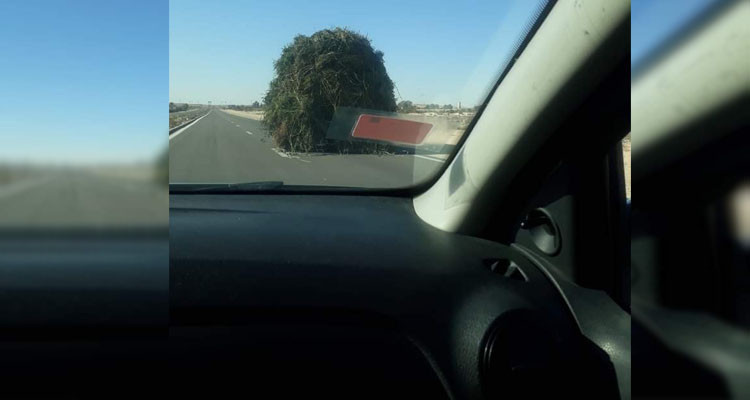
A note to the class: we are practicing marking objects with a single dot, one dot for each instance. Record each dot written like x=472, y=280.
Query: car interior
x=690, y=267
x=505, y=276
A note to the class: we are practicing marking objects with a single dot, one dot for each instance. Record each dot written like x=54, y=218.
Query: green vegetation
x=177, y=107
x=314, y=76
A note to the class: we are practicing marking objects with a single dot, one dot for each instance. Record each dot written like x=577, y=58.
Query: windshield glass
x=657, y=23
x=336, y=94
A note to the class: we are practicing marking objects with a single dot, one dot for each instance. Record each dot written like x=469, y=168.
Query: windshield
x=341, y=94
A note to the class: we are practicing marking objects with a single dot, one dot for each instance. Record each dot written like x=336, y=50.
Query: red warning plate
x=377, y=127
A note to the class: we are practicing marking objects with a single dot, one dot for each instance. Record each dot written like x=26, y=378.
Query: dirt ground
x=256, y=115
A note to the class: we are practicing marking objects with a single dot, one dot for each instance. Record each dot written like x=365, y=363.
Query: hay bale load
x=313, y=77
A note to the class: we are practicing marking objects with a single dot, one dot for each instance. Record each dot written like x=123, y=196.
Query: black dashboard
x=393, y=305
x=330, y=295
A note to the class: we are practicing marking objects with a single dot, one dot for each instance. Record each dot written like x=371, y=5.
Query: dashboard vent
x=520, y=358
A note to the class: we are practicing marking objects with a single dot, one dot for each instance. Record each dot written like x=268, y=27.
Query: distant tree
x=448, y=107
x=317, y=74
x=255, y=105
x=176, y=107
x=406, y=106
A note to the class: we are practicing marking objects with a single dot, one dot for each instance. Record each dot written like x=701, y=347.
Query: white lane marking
x=429, y=158
x=282, y=153
x=248, y=132
x=174, y=135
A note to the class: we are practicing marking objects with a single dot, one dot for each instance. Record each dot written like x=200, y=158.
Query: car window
x=331, y=94
x=738, y=203
x=626, y=164
x=657, y=25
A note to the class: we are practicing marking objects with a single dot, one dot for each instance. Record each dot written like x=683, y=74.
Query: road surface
x=73, y=199
x=225, y=148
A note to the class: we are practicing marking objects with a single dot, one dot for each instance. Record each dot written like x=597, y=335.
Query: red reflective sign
x=390, y=129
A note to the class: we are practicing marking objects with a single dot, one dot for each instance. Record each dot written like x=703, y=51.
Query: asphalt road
x=72, y=199
x=224, y=148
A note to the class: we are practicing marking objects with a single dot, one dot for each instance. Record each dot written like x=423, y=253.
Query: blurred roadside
x=96, y=197
x=84, y=205
x=690, y=110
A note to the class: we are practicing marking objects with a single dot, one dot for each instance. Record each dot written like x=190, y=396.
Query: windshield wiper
x=225, y=187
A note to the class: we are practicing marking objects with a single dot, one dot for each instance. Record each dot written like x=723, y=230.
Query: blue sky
x=435, y=52
x=653, y=21
x=88, y=80
x=83, y=81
